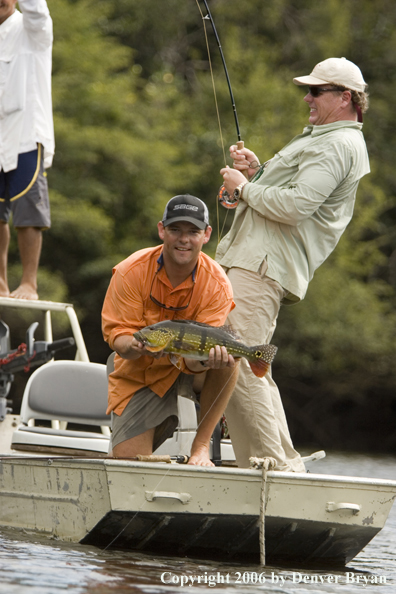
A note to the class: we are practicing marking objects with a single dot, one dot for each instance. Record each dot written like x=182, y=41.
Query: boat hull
x=214, y=513
x=232, y=538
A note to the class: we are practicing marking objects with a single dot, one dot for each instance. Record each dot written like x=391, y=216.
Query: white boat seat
x=70, y=391
x=63, y=432
x=76, y=392
x=73, y=391
x=60, y=442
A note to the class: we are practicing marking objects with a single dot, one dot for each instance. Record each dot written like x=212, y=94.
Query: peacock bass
x=194, y=340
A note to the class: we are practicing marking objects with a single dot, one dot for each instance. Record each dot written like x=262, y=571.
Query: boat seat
x=75, y=392
x=70, y=391
x=59, y=442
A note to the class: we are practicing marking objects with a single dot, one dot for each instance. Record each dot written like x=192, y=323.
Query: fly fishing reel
x=225, y=199
x=229, y=201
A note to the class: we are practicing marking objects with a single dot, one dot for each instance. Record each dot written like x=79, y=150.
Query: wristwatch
x=238, y=190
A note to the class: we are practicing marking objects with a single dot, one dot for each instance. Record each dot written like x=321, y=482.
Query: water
x=31, y=564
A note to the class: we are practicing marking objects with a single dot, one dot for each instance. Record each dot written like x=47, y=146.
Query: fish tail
x=263, y=355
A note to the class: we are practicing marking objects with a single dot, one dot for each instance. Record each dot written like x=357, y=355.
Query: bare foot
x=25, y=291
x=4, y=290
x=200, y=456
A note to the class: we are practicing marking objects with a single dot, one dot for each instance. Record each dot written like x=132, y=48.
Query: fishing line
x=135, y=514
x=206, y=18
x=218, y=396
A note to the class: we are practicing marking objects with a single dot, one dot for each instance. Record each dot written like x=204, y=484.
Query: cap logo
x=187, y=206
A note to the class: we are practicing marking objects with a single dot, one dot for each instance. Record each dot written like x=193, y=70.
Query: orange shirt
x=128, y=308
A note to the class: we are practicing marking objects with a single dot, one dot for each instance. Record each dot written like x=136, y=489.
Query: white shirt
x=25, y=83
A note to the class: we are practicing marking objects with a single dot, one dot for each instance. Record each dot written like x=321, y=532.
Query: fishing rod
x=50, y=459
x=223, y=196
x=209, y=17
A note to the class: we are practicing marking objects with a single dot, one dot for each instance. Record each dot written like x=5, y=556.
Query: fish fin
x=176, y=360
x=259, y=367
x=153, y=349
x=265, y=354
x=193, y=322
x=225, y=328
x=231, y=332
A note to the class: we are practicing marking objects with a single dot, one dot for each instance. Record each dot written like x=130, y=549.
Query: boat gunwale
x=244, y=473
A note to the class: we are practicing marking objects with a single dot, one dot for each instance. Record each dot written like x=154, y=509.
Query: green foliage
x=135, y=122
x=343, y=330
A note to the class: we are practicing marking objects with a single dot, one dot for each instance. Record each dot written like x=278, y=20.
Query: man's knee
x=140, y=444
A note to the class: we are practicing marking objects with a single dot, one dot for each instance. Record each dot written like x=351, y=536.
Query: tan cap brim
x=310, y=80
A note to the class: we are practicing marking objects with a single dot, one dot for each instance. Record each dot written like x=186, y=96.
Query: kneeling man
x=172, y=281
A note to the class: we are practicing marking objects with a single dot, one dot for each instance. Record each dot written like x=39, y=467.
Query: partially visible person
x=291, y=215
x=26, y=135
x=173, y=281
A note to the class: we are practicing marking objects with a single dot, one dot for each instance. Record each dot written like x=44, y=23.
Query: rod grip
x=240, y=145
x=63, y=343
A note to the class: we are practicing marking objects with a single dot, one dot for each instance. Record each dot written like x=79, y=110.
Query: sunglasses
x=154, y=300
x=317, y=91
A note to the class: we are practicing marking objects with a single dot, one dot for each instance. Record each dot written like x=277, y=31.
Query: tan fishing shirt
x=294, y=211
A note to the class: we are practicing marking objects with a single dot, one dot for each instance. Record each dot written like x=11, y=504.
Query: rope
x=266, y=464
x=21, y=350
x=26, y=369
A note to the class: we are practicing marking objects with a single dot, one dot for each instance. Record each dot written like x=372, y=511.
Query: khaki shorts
x=146, y=410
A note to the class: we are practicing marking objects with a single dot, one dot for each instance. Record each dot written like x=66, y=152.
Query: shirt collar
x=9, y=23
x=324, y=128
x=160, y=263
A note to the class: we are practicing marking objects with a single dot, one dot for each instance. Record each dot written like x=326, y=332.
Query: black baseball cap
x=186, y=208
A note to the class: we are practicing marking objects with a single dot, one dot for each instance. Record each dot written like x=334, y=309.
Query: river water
x=31, y=564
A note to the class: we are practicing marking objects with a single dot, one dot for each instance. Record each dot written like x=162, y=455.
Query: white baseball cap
x=335, y=71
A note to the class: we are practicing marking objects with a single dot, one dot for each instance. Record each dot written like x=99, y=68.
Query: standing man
x=292, y=212
x=173, y=281
x=26, y=135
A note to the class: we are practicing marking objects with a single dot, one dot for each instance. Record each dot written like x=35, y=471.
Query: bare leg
x=216, y=392
x=4, y=243
x=29, y=242
x=141, y=444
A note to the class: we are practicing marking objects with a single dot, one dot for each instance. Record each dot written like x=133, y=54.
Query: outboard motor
x=26, y=356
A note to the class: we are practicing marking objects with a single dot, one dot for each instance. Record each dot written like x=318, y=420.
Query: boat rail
x=47, y=307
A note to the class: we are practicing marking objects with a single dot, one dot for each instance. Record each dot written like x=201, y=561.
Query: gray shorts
x=24, y=192
x=146, y=410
